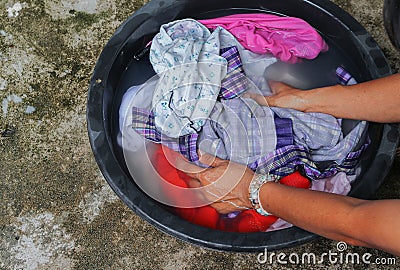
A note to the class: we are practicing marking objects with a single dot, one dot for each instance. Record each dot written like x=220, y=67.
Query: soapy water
x=138, y=154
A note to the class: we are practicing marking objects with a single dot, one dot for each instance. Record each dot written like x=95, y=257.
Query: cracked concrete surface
x=57, y=211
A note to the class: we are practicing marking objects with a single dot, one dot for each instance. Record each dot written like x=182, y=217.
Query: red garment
x=245, y=221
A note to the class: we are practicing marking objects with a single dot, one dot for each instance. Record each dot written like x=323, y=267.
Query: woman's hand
x=284, y=96
x=225, y=184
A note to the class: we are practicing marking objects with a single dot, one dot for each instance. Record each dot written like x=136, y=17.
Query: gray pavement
x=56, y=210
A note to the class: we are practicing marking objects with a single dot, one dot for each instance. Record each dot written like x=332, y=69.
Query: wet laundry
x=286, y=38
x=242, y=131
x=187, y=108
x=186, y=57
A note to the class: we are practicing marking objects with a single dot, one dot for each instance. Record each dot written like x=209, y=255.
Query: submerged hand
x=226, y=184
x=284, y=96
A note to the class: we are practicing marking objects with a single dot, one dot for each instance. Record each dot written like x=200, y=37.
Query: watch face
x=391, y=17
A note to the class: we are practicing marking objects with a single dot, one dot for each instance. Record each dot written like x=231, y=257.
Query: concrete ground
x=56, y=210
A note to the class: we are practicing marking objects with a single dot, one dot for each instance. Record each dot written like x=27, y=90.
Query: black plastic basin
x=391, y=16
x=117, y=69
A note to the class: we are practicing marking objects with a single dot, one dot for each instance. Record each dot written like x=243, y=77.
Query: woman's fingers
x=211, y=160
x=260, y=99
x=223, y=207
x=284, y=96
x=193, y=183
x=181, y=163
x=278, y=87
x=226, y=207
x=190, y=169
x=200, y=194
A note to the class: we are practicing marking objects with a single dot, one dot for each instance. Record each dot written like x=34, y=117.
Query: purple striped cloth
x=344, y=77
x=235, y=81
x=286, y=159
x=143, y=123
x=284, y=131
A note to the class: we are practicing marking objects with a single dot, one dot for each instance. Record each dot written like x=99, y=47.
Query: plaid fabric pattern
x=143, y=123
x=321, y=134
x=288, y=156
x=288, y=159
x=239, y=130
x=312, y=130
x=344, y=77
x=229, y=136
x=235, y=81
x=284, y=131
x=291, y=158
x=231, y=54
x=187, y=146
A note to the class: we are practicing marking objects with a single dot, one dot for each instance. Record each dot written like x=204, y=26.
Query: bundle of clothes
x=195, y=103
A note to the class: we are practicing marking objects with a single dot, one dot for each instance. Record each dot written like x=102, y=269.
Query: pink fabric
x=287, y=38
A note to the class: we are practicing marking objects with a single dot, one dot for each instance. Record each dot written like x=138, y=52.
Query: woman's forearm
x=358, y=222
x=355, y=221
x=376, y=100
x=313, y=211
